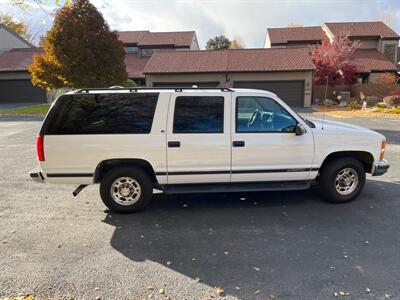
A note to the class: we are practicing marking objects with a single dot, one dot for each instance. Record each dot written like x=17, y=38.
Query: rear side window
x=102, y=114
x=199, y=114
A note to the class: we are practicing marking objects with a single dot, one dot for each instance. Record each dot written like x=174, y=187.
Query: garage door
x=292, y=92
x=20, y=91
x=186, y=84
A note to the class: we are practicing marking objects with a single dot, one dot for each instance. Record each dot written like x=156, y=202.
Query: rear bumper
x=36, y=175
x=380, y=168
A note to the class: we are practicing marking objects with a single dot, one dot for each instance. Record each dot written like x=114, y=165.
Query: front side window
x=199, y=114
x=389, y=51
x=102, y=114
x=262, y=114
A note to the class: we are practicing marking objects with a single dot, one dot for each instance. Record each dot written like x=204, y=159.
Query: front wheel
x=342, y=180
x=126, y=190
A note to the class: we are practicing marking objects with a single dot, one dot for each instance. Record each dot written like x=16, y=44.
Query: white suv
x=182, y=140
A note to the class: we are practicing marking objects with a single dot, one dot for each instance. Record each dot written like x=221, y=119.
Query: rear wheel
x=342, y=180
x=126, y=190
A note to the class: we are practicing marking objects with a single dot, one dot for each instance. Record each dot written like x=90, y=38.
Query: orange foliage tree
x=80, y=51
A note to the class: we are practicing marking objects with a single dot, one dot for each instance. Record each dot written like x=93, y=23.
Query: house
x=286, y=72
x=377, y=54
x=140, y=45
x=15, y=57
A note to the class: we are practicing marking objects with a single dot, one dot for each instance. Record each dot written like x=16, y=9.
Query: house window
x=389, y=51
x=147, y=52
x=131, y=49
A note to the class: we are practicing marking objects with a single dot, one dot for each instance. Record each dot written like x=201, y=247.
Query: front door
x=264, y=145
x=198, y=138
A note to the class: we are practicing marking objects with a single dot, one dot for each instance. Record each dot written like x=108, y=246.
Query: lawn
x=36, y=109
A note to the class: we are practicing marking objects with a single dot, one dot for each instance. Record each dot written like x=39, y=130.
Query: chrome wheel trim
x=346, y=181
x=125, y=191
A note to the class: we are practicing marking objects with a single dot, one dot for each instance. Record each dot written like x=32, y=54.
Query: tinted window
x=199, y=115
x=101, y=114
x=261, y=114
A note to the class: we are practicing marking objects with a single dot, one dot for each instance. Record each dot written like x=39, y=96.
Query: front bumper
x=380, y=168
x=36, y=175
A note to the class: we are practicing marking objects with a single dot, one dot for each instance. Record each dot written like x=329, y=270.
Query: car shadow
x=285, y=244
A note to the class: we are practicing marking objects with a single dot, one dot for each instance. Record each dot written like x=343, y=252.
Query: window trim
x=223, y=115
x=243, y=132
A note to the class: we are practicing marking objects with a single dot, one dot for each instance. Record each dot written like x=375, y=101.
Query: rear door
x=198, y=138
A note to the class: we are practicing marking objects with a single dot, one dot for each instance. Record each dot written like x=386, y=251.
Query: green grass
x=36, y=109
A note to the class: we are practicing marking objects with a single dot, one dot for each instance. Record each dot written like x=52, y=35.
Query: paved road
x=286, y=245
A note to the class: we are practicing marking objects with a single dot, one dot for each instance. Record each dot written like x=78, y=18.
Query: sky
x=244, y=20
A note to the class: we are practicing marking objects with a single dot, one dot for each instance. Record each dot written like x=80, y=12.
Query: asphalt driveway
x=281, y=245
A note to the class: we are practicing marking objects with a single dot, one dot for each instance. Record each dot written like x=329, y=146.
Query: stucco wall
x=231, y=77
x=8, y=41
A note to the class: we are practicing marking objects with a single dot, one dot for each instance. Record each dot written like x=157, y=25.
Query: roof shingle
x=358, y=29
x=235, y=60
x=295, y=34
x=135, y=65
x=370, y=60
x=18, y=59
x=147, y=38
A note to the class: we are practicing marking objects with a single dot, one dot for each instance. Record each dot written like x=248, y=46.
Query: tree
x=218, y=43
x=236, y=43
x=16, y=26
x=333, y=60
x=80, y=51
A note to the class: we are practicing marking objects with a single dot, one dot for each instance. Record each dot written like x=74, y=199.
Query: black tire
x=327, y=179
x=140, y=178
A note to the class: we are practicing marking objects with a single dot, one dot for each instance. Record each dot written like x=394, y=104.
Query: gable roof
x=18, y=59
x=135, y=65
x=370, y=60
x=147, y=38
x=233, y=60
x=359, y=29
x=16, y=35
x=295, y=34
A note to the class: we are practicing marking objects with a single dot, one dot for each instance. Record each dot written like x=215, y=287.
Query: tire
x=126, y=190
x=341, y=180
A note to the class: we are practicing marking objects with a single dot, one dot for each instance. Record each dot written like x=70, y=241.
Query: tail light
x=39, y=147
x=383, y=146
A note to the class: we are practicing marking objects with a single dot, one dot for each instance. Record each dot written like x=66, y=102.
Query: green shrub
x=378, y=109
x=382, y=105
x=353, y=105
x=394, y=110
x=130, y=83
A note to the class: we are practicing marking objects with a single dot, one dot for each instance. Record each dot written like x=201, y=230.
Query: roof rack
x=131, y=90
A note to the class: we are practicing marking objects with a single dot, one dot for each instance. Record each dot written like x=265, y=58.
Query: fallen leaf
x=193, y=259
x=98, y=298
x=185, y=205
x=335, y=294
x=242, y=199
x=161, y=291
x=387, y=295
x=197, y=279
x=59, y=245
x=368, y=290
x=366, y=242
x=237, y=288
x=149, y=287
x=219, y=291
x=226, y=252
x=256, y=269
x=168, y=263
x=150, y=296
x=257, y=292
x=272, y=296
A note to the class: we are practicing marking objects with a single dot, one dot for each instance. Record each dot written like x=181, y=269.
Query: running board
x=236, y=187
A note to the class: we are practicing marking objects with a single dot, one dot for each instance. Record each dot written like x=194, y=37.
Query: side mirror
x=299, y=129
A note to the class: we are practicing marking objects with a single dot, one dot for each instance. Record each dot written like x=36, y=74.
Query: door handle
x=238, y=143
x=174, y=144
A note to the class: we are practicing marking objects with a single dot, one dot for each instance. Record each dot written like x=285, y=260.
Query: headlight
x=383, y=146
